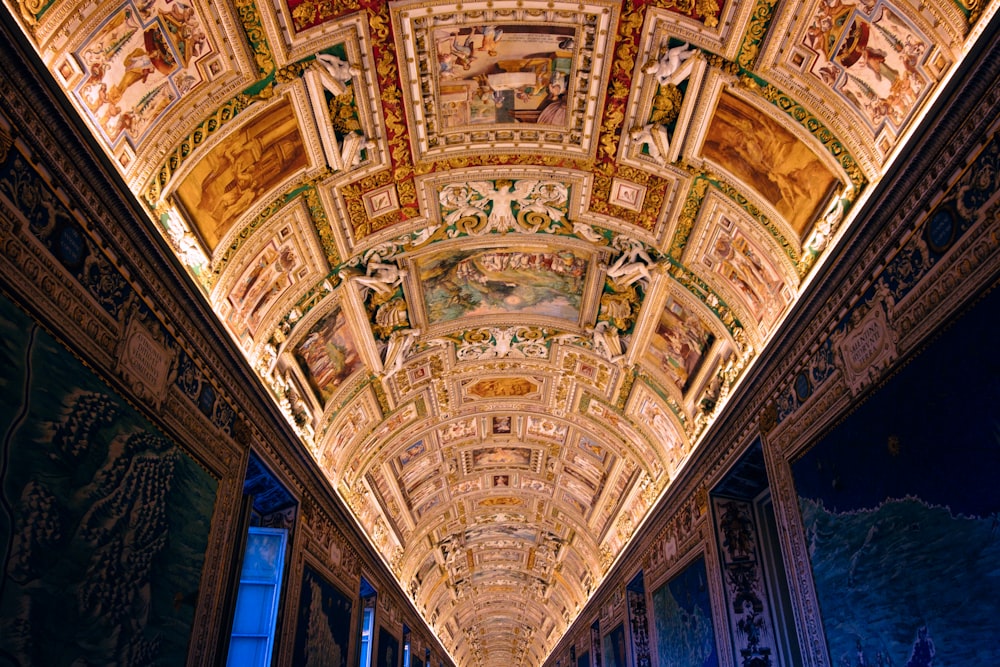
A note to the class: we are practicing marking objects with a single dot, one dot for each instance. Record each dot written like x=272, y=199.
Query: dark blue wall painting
x=583, y=660
x=901, y=507
x=613, y=650
x=682, y=612
x=388, y=649
x=104, y=522
x=323, y=632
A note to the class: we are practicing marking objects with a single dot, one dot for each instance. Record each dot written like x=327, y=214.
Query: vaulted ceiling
x=501, y=262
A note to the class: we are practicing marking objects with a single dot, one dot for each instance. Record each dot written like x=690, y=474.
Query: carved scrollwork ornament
x=768, y=418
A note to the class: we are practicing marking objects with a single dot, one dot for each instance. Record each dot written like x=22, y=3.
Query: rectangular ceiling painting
x=327, y=354
x=765, y=155
x=497, y=281
x=241, y=169
x=137, y=64
x=499, y=73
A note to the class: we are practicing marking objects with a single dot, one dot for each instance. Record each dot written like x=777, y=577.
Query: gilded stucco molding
x=795, y=552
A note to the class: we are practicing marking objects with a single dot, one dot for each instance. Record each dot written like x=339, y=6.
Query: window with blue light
x=257, y=599
x=367, y=623
x=266, y=524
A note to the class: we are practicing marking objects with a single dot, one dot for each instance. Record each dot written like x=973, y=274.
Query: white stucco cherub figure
x=380, y=276
x=350, y=150
x=669, y=62
x=586, y=231
x=654, y=137
x=335, y=72
x=607, y=343
x=632, y=266
x=397, y=349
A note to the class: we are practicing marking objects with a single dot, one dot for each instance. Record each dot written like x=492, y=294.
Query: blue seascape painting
x=683, y=614
x=901, y=511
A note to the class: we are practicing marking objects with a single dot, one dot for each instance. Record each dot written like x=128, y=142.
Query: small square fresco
x=593, y=448
x=412, y=452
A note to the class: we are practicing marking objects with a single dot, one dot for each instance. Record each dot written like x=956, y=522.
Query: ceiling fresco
x=501, y=262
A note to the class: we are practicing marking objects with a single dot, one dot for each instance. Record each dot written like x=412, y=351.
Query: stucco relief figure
x=516, y=342
x=184, y=241
x=391, y=314
x=381, y=277
x=587, y=232
x=666, y=66
x=335, y=72
x=827, y=225
x=502, y=195
x=350, y=151
x=458, y=199
x=632, y=265
x=504, y=205
x=619, y=308
x=423, y=235
x=397, y=349
x=607, y=343
x=654, y=137
x=540, y=200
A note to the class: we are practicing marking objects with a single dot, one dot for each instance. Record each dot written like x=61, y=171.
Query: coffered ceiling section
x=500, y=262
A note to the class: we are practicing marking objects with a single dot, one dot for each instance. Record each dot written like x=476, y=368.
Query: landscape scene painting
x=496, y=281
x=328, y=355
x=679, y=343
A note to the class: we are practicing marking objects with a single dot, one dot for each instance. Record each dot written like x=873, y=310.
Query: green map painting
x=104, y=522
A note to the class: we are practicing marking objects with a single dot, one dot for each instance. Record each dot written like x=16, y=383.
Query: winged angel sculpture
x=483, y=207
